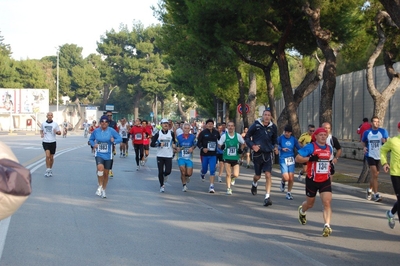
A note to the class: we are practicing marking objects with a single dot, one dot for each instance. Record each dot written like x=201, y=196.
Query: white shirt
x=48, y=131
x=166, y=151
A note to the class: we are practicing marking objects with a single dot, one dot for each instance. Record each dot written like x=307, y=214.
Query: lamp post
x=58, y=73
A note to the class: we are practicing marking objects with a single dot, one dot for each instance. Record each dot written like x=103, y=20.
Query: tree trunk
x=80, y=114
x=393, y=8
x=242, y=97
x=365, y=173
x=182, y=113
x=251, y=99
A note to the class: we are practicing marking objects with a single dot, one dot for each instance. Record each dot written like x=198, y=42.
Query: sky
x=36, y=28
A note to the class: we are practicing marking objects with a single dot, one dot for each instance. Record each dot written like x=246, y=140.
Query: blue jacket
x=264, y=136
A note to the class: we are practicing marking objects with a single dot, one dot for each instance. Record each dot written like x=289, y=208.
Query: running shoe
x=219, y=179
x=50, y=173
x=253, y=190
x=184, y=189
x=248, y=166
x=377, y=197
x=98, y=191
x=123, y=155
x=202, y=177
x=390, y=219
x=120, y=155
x=187, y=179
x=369, y=194
x=289, y=196
x=233, y=180
x=165, y=178
x=211, y=189
x=267, y=201
x=46, y=174
x=126, y=154
x=103, y=194
x=326, y=231
x=111, y=174
x=302, y=217
x=282, y=186
x=142, y=163
x=300, y=175
x=229, y=191
x=240, y=162
x=137, y=168
x=162, y=190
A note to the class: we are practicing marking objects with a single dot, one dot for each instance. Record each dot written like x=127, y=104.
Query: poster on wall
x=24, y=100
x=91, y=113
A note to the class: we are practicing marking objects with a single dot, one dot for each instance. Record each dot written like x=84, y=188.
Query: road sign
x=239, y=108
x=109, y=107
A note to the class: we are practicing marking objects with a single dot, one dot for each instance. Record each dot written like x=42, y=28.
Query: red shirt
x=363, y=127
x=320, y=171
x=147, y=135
x=137, y=133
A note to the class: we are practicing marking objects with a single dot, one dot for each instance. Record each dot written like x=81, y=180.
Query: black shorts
x=125, y=140
x=219, y=157
x=372, y=162
x=312, y=187
x=231, y=162
x=262, y=162
x=146, y=147
x=107, y=163
x=51, y=146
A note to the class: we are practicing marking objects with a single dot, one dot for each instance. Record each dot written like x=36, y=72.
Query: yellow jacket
x=392, y=145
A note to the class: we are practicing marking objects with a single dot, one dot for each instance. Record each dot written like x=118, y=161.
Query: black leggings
x=396, y=187
x=161, y=162
x=139, y=152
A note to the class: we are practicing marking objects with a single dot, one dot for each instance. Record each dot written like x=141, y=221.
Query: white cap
x=163, y=121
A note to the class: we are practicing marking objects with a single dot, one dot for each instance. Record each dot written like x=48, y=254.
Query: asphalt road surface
x=64, y=223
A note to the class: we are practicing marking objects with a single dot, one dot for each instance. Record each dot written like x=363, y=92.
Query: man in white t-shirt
x=48, y=131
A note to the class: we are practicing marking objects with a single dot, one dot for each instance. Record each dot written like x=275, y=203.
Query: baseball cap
x=104, y=117
x=288, y=128
x=163, y=121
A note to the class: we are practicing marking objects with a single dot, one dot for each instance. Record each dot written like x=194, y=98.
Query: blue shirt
x=103, y=138
x=185, y=144
x=289, y=143
x=373, y=141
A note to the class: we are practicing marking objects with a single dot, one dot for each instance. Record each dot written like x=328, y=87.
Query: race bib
x=374, y=144
x=231, y=151
x=289, y=161
x=124, y=134
x=211, y=146
x=103, y=147
x=185, y=152
x=138, y=136
x=322, y=167
x=166, y=143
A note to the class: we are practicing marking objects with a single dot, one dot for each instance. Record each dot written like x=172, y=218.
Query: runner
x=123, y=130
x=286, y=145
x=65, y=128
x=91, y=129
x=146, y=140
x=86, y=126
x=220, y=161
x=102, y=139
x=317, y=155
x=335, y=145
x=113, y=125
x=207, y=143
x=232, y=145
x=304, y=139
x=262, y=139
x=164, y=140
x=372, y=141
x=246, y=151
x=186, y=143
x=363, y=127
x=393, y=146
x=137, y=133
x=48, y=131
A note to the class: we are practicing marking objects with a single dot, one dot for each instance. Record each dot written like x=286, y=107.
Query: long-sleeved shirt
x=266, y=137
x=103, y=139
x=208, y=139
x=392, y=145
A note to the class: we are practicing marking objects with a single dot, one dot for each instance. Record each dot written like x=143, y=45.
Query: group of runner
x=317, y=150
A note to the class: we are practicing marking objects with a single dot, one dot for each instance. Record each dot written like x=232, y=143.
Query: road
x=64, y=223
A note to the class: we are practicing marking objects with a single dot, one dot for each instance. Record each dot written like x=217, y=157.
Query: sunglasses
x=104, y=121
x=312, y=130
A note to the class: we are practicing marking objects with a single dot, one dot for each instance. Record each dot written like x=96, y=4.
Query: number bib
x=124, y=134
x=103, y=147
x=289, y=161
x=322, y=167
x=374, y=144
x=231, y=151
x=185, y=152
x=166, y=143
x=211, y=146
x=138, y=136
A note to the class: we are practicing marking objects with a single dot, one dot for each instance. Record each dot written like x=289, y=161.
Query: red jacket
x=362, y=128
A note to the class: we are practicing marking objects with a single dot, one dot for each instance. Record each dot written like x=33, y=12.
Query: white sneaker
x=103, y=194
x=184, y=189
x=211, y=189
x=219, y=179
x=46, y=174
x=233, y=180
x=50, y=173
x=162, y=189
x=98, y=191
x=142, y=163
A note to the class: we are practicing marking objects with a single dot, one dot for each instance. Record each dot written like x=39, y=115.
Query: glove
x=240, y=151
x=332, y=169
x=313, y=158
x=223, y=147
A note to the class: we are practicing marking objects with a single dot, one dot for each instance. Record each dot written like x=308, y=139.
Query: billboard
x=24, y=100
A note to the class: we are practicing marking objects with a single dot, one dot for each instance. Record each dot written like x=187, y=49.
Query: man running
x=164, y=140
x=262, y=139
x=137, y=133
x=148, y=133
x=232, y=145
x=335, y=145
x=317, y=155
x=102, y=139
x=48, y=131
x=207, y=143
x=286, y=145
x=304, y=139
x=123, y=130
x=113, y=125
x=372, y=141
x=186, y=143
x=86, y=126
x=393, y=146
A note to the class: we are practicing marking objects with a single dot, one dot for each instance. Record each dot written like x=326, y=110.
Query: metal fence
x=352, y=102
